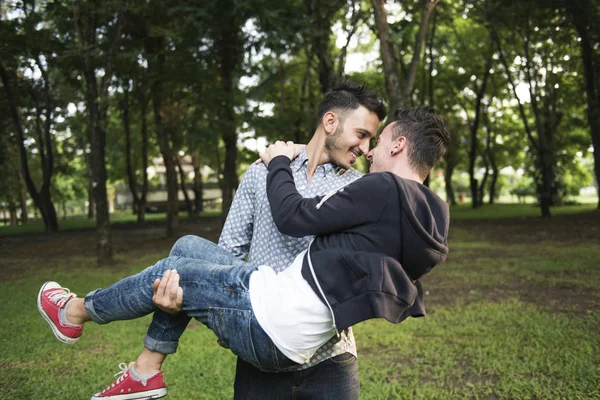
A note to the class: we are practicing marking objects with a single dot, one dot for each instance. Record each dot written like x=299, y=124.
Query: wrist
x=279, y=160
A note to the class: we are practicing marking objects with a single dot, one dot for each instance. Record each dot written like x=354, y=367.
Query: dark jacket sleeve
x=352, y=206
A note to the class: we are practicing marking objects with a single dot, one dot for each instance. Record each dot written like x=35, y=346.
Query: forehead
x=362, y=118
x=387, y=132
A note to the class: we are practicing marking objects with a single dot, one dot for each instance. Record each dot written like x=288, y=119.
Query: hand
x=279, y=148
x=168, y=295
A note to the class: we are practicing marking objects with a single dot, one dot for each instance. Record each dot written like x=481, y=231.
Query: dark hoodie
x=374, y=239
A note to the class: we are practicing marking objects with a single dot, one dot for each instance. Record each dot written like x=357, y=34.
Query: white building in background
x=157, y=194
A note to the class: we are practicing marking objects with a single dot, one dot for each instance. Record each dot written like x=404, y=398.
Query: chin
x=343, y=163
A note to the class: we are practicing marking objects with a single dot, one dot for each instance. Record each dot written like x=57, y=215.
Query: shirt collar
x=302, y=162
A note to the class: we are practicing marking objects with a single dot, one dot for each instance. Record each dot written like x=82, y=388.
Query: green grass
x=505, y=321
x=499, y=211
x=459, y=212
x=80, y=222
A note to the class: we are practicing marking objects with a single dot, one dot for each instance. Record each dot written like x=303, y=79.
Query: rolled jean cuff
x=160, y=346
x=88, y=303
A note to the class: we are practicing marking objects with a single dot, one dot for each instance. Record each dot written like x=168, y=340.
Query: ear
x=399, y=145
x=330, y=122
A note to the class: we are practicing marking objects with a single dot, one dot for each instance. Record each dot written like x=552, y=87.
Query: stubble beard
x=332, y=144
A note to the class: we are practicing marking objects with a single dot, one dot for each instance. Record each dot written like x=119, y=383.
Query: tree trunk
x=39, y=197
x=98, y=165
x=582, y=15
x=495, y=174
x=476, y=201
x=48, y=211
x=431, y=61
x=303, y=100
x=397, y=93
x=229, y=47
x=86, y=35
x=141, y=210
x=172, y=195
x=139, y=201
x=155, y=48
x=546, y=169
x=131, y=181
x=481, y=190
x=90, y=191
x=544, y=130
x=23, y=199
x=535, y=146
x=409, y=83
x=188, y=203
x=198, y=184
x=12, y=211
x=354, y=20
x=169, y=161
x=491, y=157
x=450, y=197
x=320, y=15
x=390, y=69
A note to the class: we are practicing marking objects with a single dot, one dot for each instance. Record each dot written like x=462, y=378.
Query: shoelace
x=122, y=374
x=61, y=296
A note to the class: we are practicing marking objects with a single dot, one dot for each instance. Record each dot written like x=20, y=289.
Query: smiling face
x=351, y=138
x=380, y=156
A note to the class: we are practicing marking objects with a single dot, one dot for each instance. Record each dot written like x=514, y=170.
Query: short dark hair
x=426, y=135
x=348, y=95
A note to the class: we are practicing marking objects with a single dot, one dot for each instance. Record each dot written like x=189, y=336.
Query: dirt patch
x=562, y=229
x=18, y=253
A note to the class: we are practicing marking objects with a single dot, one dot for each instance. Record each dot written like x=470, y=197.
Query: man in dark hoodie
x=376, y=238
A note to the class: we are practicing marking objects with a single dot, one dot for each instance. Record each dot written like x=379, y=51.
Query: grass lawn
x=81, y=222
x=513, y=314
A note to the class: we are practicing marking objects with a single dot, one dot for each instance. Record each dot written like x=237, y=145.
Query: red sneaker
x=51, y=299
x=126, y=388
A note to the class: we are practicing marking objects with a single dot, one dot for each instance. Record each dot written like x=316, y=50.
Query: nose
x=370, y=155
x=364, y=147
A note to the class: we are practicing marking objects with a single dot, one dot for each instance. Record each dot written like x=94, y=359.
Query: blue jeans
x=215, y=292
x=332, y=379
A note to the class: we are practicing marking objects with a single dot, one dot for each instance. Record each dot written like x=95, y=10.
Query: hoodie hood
x=425, y=222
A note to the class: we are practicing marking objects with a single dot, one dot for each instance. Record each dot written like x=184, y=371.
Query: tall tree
x=399, y=87
x=532, y=35
x=474, y=123
x=89, y=18
x=229, y=49
x=39, y=53
x=138, y=193
x=584, y=15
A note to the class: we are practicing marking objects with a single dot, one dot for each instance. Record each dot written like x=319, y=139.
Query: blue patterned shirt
x=250, y=231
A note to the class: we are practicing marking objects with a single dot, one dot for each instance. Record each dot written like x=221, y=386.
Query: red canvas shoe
x=127, y=388
x=51, y=299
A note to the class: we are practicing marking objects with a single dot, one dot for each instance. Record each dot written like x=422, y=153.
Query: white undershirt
x=289, y=311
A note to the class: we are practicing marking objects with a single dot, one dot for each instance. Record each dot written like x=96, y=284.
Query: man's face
x=380, y=157
x=352, y=136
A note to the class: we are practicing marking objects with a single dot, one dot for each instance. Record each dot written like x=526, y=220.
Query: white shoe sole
x=55, y=330
x=147, y=395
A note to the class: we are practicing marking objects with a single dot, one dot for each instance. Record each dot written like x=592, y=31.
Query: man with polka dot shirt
x=348, y=118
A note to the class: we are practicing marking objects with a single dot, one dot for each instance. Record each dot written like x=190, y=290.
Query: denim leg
x=165, y=325
x=129, y=298
x=217, y=295
x=198, y=248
